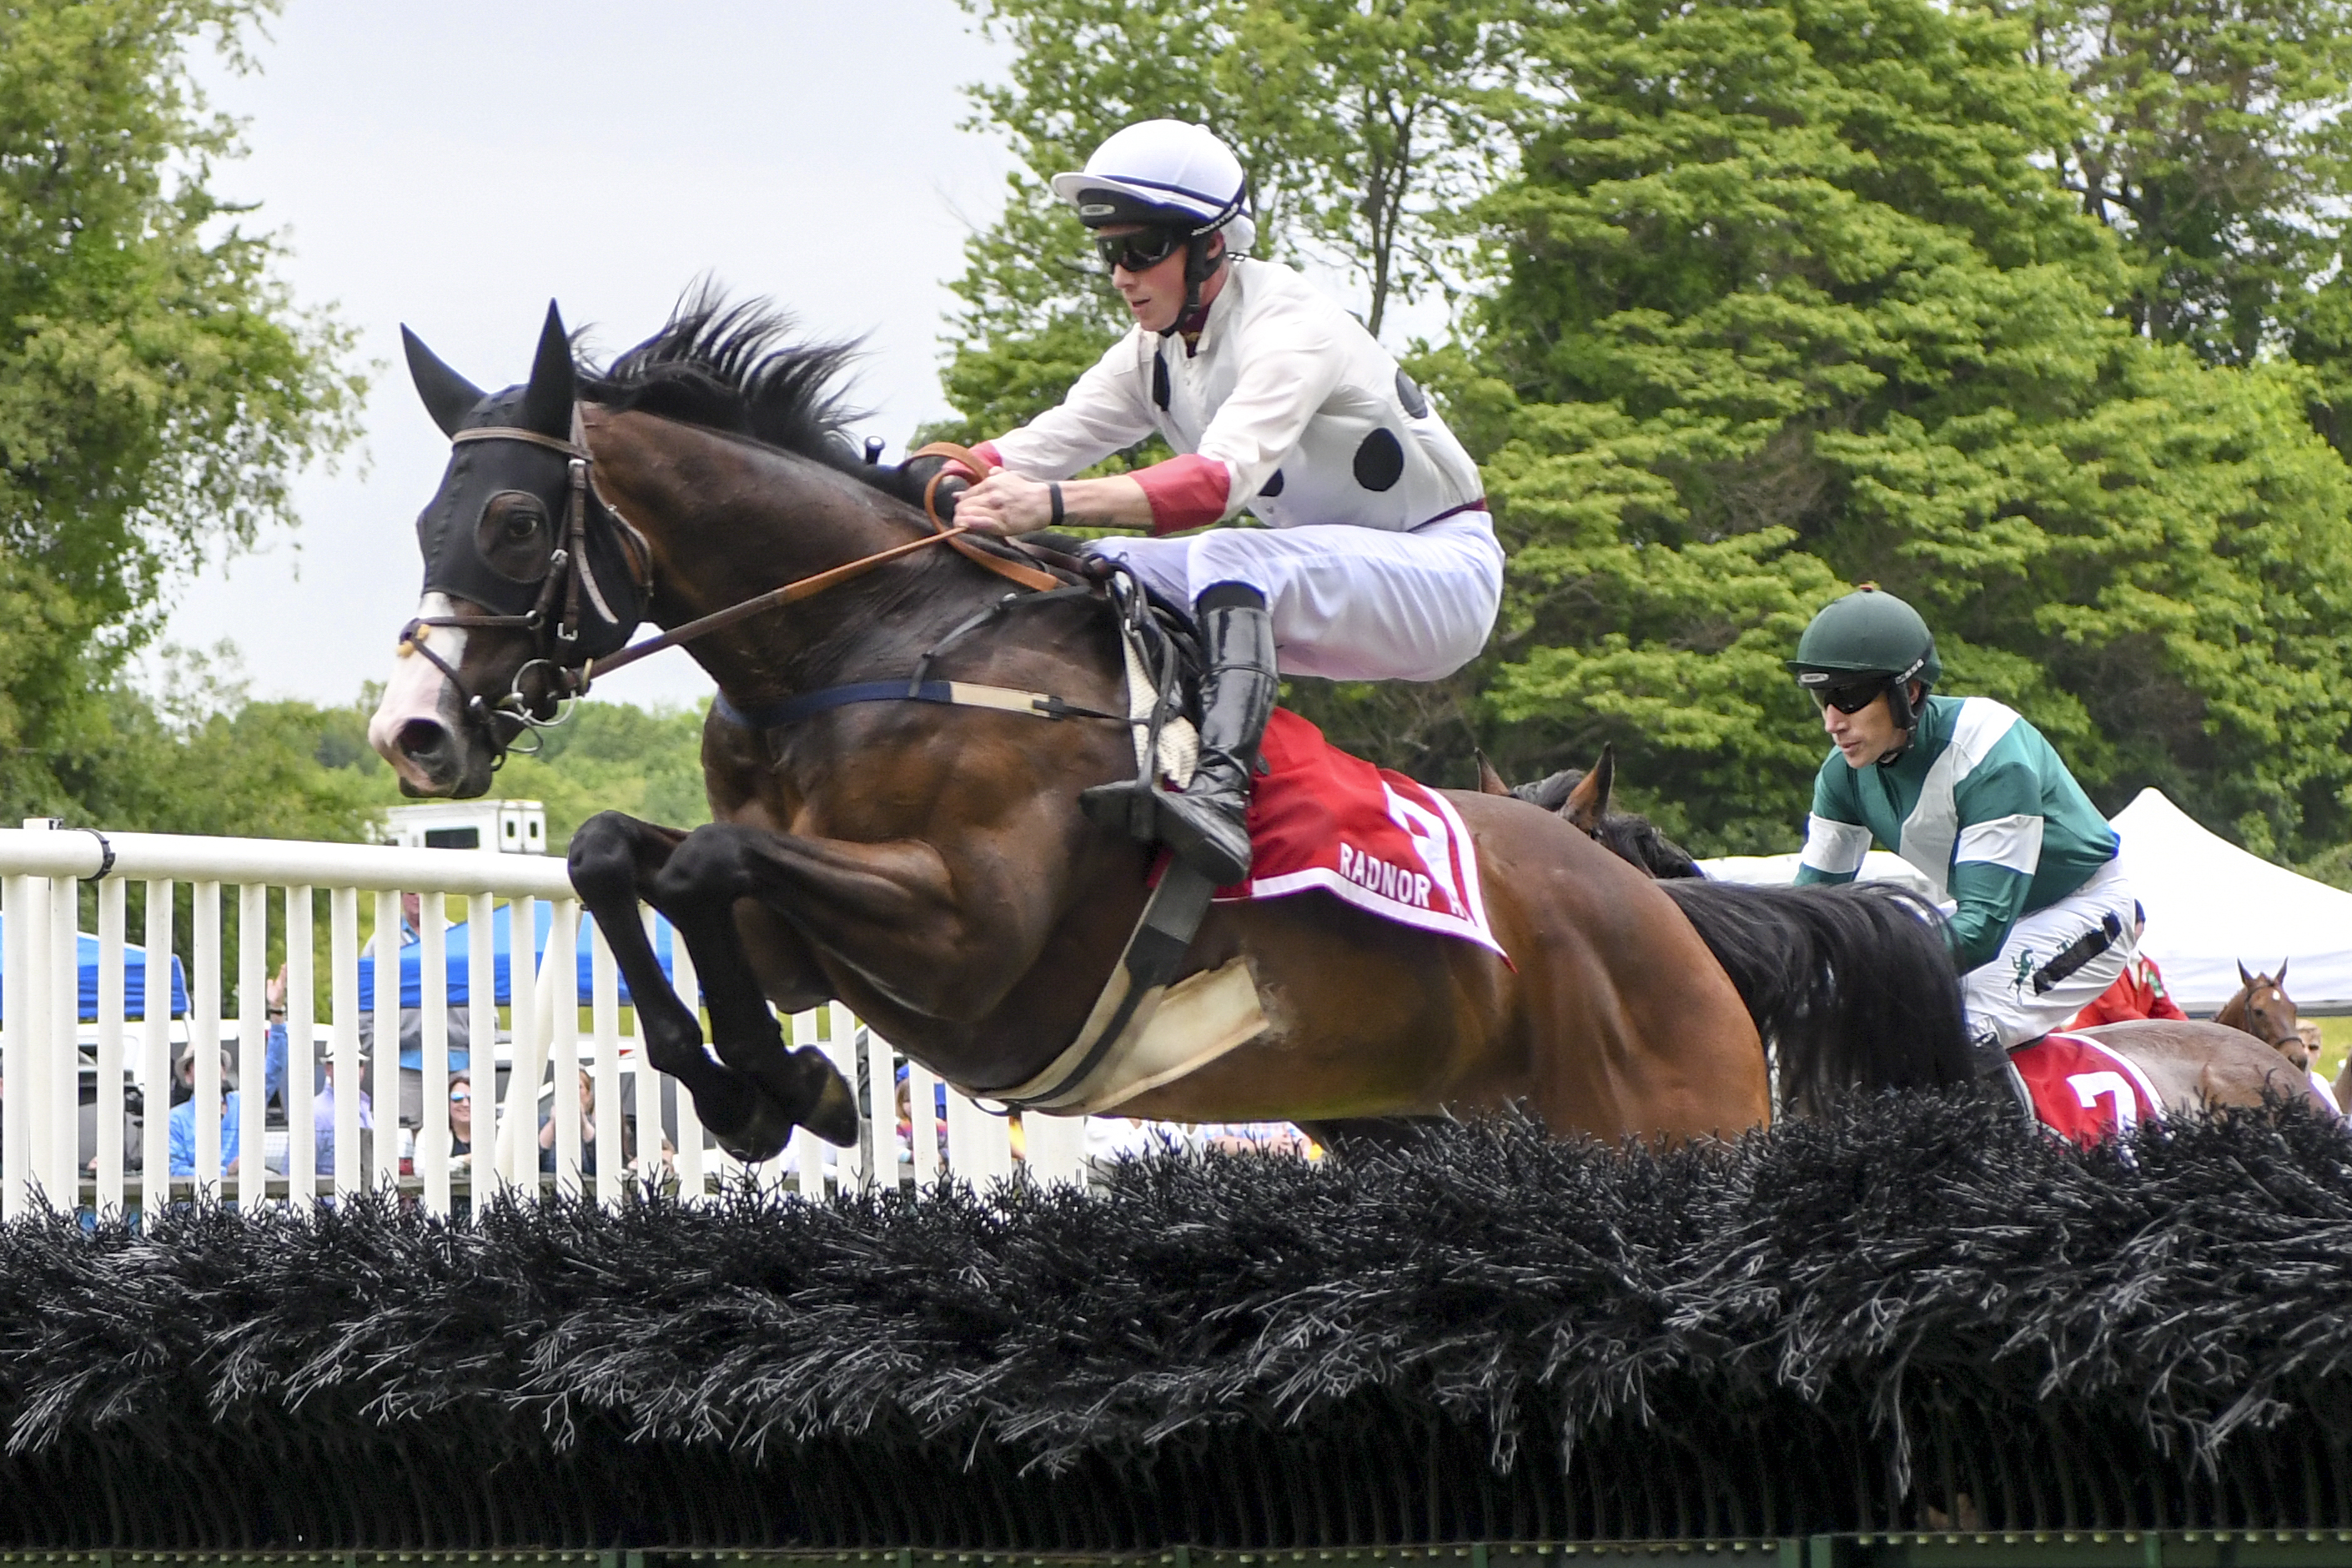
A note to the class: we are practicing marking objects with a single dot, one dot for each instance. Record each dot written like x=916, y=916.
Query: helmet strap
x=1198, y=269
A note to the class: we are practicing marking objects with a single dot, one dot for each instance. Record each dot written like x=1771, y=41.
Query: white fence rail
x=68, y=1086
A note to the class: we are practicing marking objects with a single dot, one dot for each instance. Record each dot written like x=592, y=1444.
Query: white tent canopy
x=2211, y=904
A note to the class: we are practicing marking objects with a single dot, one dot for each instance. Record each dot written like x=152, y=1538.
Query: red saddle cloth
x=1321, y=818
x=2083, y=1091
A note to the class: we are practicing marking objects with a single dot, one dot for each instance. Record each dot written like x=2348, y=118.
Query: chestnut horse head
x=2263, y=1009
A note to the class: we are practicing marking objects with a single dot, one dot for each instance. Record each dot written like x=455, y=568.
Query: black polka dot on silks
x=1380, y=461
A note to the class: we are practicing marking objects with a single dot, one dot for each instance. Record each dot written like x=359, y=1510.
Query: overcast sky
x=455, y=165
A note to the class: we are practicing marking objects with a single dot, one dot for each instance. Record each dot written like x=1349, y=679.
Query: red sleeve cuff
x=1184, y=492
x=988, y=449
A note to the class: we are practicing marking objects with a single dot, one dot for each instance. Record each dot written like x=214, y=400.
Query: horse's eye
x=512, y=535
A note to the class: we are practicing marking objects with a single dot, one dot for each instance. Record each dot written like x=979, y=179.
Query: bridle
x=554, y=618
x=570, y=577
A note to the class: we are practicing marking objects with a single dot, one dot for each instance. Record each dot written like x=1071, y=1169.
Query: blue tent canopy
x=134, y=980
x=460, y=942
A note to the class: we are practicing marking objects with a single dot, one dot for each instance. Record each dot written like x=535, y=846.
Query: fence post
x=106, y=1192
x=562, y=977
x=301, y=1053
x=15, y=1048
x=692, y=1175
x=203, y=1037
x=432, y=1074
x=63, y=1109
x=155, y=1056
x=518, y=1147
x=881, y=1097
x=605, y=1022
x=344, y=991
x=386, y=1048
x=482, y=1059
x=253, y=1047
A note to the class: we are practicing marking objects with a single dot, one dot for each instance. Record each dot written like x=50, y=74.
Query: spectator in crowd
x=587, y=1129
x=411, y=1064
x=322, y=1110
x=2137, y=992
x=183, y=1117
x=461, y=1115
x=906, y=1137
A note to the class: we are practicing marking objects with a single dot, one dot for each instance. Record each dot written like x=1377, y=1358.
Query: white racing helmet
x=1167, y=173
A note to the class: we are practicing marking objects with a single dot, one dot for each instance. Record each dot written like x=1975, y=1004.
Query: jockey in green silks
x=2041, y=918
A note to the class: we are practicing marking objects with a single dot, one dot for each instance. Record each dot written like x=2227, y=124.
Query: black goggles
x=1848, y=697
x=1139, y=251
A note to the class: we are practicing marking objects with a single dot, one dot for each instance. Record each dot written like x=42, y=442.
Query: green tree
x=1789, y=300
x=158, y=387
x=2212, y=141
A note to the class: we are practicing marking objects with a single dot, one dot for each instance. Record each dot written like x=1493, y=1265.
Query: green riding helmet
x=1868, y=640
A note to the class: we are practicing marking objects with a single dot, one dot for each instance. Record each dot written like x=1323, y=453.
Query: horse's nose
x=428, y=745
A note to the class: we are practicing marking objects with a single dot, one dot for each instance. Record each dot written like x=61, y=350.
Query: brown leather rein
x=574, y=682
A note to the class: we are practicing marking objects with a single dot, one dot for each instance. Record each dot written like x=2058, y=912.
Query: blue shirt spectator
x=184, y=1135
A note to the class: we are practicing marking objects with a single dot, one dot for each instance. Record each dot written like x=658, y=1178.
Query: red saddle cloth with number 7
x=2083, y=1091
x=1321, y=818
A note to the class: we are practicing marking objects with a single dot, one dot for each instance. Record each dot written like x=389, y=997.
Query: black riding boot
x=1206, y=825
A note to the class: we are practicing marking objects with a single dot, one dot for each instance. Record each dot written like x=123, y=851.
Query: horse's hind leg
x=749, y=1107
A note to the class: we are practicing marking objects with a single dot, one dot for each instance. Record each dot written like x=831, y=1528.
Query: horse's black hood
x=490, y=533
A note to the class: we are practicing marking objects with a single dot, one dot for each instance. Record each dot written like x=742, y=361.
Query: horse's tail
x=1852, y=987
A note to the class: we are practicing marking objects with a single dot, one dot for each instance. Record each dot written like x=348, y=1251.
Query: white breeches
x=2000, y=995
x=1348, y=604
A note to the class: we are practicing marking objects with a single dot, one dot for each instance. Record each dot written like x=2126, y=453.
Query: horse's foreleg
x=616, y=861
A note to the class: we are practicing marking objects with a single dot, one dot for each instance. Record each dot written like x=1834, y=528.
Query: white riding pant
x=2000, y=995
x=1348, y=604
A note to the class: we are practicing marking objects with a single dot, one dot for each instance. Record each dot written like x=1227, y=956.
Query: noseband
x=569, y=576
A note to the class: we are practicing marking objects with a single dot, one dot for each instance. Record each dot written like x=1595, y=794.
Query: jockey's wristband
x=1054, y=494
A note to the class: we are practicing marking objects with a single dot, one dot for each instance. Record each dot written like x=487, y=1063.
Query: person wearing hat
x=183, y=1119
x=1378, y=561
x=2040, y=917
x=323, y=1108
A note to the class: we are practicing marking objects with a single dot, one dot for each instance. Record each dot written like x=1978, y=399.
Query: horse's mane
x=1628, y=834
x=732, y=367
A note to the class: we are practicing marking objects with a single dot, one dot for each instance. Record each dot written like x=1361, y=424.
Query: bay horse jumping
x=2191, y=1063
x=925, y=864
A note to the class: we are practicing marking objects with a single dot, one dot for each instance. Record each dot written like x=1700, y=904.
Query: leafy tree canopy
x=1789, y=302
x=158, y=386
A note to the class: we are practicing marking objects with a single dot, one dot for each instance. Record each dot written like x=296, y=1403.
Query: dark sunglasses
x=1851, y=698
x=1139, y=251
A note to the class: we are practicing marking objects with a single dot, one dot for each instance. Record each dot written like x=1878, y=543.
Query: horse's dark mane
x=734, y=367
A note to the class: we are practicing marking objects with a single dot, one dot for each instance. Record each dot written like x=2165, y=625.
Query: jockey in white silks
x=1378, y=561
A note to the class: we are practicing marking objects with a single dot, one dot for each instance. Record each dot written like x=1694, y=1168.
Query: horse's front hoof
x=833, y=1117
x=762, y=1135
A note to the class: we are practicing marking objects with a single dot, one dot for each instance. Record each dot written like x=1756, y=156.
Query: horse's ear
x=1588, y=803
x=447, y=395
x=2247, y=979
x=2279, y=979
x=547, y=401
x=1489, y=781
